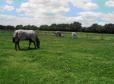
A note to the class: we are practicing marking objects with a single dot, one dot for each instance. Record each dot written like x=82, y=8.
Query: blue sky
x=40, y=12
x=102, y=7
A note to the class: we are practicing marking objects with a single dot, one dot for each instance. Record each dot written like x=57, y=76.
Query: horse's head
x=15, y=37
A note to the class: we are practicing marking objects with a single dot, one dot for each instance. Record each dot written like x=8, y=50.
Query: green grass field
x=86, y=60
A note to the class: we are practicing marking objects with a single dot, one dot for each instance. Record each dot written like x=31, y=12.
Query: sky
x=42, y=12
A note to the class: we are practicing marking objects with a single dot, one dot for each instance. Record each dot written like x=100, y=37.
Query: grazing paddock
x=86, y=60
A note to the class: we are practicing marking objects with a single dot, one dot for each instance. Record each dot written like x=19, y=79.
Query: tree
x=95, y=28
x=109, y=28
x=19, y=27
x=44, y=27
x=76, y=26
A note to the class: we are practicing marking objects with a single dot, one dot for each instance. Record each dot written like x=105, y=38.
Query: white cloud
x=8, y=8
x=85, y=4
x=15, y=20
x=110, y=3
x=108, y=17
x=39, y=12
x=9, y=1
x=86, y=18
x=42, y=8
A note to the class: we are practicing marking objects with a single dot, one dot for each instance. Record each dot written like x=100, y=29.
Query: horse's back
x=25, y=34
x=25, y=31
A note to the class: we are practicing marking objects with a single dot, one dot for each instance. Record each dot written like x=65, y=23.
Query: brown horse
x=58, y=33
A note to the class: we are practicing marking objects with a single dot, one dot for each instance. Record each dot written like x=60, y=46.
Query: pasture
x=60, y=60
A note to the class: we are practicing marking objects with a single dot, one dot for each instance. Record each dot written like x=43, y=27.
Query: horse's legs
x=59, y=35
x=34, y=44
x=15, y=46
x=29, y=44
x=18, y=45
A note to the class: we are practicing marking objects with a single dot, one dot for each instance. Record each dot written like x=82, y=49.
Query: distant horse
x=58, y=34
x=74, y=35
x=29, y=35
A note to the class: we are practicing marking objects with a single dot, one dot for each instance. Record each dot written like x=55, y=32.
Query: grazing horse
x=58, y=34
x=74, y=35
x=29, y=35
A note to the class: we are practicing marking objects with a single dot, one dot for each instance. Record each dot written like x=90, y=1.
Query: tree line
x=75, y=26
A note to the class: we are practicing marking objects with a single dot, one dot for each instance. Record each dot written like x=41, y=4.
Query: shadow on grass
x=28, y=49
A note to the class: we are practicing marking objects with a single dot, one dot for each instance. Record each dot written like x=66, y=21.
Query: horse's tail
x=37, y=42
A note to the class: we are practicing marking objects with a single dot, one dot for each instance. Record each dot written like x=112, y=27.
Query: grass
x=86, y=60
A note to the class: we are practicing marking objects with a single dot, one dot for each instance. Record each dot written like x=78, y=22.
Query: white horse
x=74, y=35
x=29, y=35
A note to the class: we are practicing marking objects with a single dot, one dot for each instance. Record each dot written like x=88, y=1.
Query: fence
x=81, y=35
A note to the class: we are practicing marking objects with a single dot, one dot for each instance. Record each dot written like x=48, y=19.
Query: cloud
x=16, y=20
x=85, y=4
x=109, y=18
x=7, y=8
x=39, y=12
x=110, y=3
x=9, y=1
x=42, y=8
x=86, y=18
